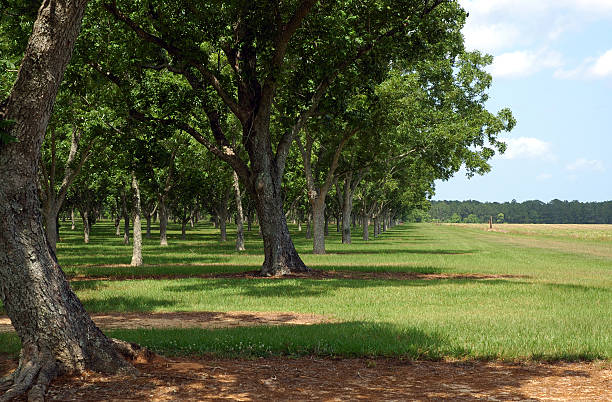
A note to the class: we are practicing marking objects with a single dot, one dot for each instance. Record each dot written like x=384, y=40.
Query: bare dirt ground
x=200, y=319
x=197, y=379
x=314, y=274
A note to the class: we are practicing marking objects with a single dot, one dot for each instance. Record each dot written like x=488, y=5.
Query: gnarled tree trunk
x=56, y=333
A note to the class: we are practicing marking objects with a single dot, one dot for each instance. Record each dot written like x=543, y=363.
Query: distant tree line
x=534, y=211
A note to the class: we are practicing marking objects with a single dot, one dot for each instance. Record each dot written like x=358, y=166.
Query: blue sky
x=553, y=68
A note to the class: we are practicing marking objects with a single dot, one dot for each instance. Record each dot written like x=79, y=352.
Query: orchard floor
x=181, y=379
x=310, y=378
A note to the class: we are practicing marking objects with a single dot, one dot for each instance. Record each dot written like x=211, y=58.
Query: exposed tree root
x=33, y=377
x=133, y=352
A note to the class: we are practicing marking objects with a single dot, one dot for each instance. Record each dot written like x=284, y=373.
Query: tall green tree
x=56, y=333
x=239, y=56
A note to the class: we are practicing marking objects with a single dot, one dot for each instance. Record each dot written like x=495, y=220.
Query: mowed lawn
x=553, y=302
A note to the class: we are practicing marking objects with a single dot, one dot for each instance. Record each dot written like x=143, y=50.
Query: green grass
x=559, y=305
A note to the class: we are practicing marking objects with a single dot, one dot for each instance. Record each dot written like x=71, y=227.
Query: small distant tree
x=500, y=217
x=455, y=218
x=471, y=218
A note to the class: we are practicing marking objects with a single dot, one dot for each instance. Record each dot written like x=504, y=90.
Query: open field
x=528, y=296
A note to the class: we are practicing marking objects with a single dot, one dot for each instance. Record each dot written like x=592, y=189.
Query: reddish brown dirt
x=343, y=379
x=200, y=319
x=315, y=274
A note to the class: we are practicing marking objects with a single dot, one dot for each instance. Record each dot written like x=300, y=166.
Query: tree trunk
x=366, y=224
x=309, y=226
x=222, y=214
x=376, y=226
x=280, y=255
x=347, y=208
x=136, y=211
x=148, y=235
x=326, y=229
x=163, y=222
x=126, y=228
x=50, y=216
x=318, y=215
x=118, y=224
x=239, y=217
x=249, y=222
x=184, y=229
x=86, y=226
x=73, y=225
x=56, y=333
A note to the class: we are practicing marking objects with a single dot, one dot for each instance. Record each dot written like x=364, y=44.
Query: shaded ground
x=314, y=274
x=343, y=379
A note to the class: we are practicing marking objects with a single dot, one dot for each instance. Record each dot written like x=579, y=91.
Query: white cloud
x=590, y=68
x=585, y=165
x=603, y=65
x=490, y=37
x=524, y=62
x=528, y=148
x=502, y=25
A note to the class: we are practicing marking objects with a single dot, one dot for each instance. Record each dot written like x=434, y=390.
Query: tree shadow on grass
x=271, y=288
x=574, y=288
x=347, y=339
x=438, y=251
x=127, y=304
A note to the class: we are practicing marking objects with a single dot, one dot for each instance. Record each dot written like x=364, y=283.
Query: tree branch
x=281, y=43
x=180, y=54
x=285, y=142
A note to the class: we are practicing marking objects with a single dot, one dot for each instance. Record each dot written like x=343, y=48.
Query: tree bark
x=56, y=333
x=86, y=225
x=326, y=229
x=73, y=225
x=318, y=217
x=50, y=217
x=163, y=221
x=309, y=226
x=184, y=229
x=239, y=216
x=148, y=234
x=347, y=208
x=249, y=221
x=366, y=224
x=222, y=213
x=126, y=221
x=376, y=226
x=136, y=212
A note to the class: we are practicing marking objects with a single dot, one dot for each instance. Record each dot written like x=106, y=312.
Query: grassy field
x=557, y=304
